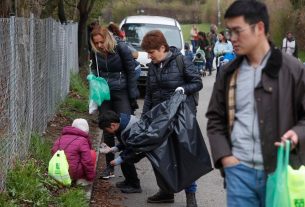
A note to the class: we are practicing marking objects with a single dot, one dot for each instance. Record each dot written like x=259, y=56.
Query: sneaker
x=83, y=182
x=107, y=173
x=161, y=197
x=121, y=184
x=131, y=189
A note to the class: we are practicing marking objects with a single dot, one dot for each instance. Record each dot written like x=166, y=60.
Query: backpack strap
x=180, y=64
x=59, y=148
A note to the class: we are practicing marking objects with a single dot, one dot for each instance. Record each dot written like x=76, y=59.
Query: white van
x=135, y=27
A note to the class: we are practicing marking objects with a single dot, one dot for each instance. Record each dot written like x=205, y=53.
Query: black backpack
x=180, y=64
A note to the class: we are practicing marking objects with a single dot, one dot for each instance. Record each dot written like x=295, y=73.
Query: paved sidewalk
x=210, y=187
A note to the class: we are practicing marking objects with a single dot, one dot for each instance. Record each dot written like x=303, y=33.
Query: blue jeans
x=245, y=186
x=194, y=45
x=192, y=188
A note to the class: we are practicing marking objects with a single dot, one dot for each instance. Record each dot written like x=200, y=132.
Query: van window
x=135, y=32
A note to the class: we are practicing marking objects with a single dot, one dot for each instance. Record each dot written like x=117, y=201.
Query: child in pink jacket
x=74, y=140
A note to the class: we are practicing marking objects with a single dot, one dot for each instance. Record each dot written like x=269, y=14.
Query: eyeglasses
x=237, y=31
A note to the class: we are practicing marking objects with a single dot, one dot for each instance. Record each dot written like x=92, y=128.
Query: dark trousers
x=119, y=102
x=209, y=64
x=129, y=171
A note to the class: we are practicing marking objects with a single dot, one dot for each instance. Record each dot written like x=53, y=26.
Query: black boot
x=191, y=200
x=161, y=197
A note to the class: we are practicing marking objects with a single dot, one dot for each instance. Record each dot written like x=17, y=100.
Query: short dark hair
x=186, y=46
x=106, y=118
x=252, y=10
x=153, y=40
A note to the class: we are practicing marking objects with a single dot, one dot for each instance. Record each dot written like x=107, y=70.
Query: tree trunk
x=5, y=8
x=84, y=7
x=82, y=43
x=61, y=12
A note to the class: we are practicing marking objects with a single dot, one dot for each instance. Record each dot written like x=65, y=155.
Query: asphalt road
x=210, y=191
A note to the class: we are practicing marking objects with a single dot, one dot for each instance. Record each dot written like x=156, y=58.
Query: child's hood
x=69, y=130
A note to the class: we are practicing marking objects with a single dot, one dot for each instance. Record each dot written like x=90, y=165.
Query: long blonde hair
x=109, y=43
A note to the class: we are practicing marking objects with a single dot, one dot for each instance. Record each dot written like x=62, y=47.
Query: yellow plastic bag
x=59, y=168
x=296, y=186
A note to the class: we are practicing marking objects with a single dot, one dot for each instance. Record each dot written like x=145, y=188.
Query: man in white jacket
x=289, y=45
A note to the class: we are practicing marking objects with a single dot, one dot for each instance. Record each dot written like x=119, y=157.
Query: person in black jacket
x=113, y=61
x=164, y=78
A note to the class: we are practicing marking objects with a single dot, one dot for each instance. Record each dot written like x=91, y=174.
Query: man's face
x=112, y=129
x=156, y=56
x=243, y=36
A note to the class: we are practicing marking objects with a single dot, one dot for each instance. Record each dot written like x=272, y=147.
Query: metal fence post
x=31, y=66
x=12, y=86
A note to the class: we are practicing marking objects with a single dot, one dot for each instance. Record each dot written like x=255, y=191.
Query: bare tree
x=84, y=8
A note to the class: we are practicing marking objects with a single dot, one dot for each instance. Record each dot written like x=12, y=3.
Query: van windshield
x=135, y=32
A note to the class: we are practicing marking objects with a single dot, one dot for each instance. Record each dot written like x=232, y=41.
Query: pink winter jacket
x=77, y=146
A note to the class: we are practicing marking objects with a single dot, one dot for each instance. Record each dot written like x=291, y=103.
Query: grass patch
x=77, y=101
x=78, y=86
x=24, y=184
x=302, y=55
x=186, y=29
x=5, y=201
x=28, y=183
x=40, y=148
x=75, y=198
x=79, y=105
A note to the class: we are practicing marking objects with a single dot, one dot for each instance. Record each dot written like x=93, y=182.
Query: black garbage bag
x=155, y=126
x=180, y=156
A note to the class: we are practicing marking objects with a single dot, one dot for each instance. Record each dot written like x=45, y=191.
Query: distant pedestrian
x=222, y=47
x=204, y=44
x=187, y=51
x=213, y=38
x=256, y=104
x=289, y=45
x=194, y=37
x=213, y=35
x=163, y=79
x=75, y=142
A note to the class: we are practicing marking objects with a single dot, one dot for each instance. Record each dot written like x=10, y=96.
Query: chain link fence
x=36, y=60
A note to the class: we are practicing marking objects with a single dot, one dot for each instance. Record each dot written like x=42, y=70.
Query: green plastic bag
x=59, y=168
x=98, y=89
x=296, y=186
x=277, y=194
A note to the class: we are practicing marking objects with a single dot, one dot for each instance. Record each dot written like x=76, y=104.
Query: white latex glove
x=180, y=89
x=116, y=161
x=104, y=149
x=114, y=149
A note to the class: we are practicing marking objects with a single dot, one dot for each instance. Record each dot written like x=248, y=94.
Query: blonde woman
x=113, y=61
